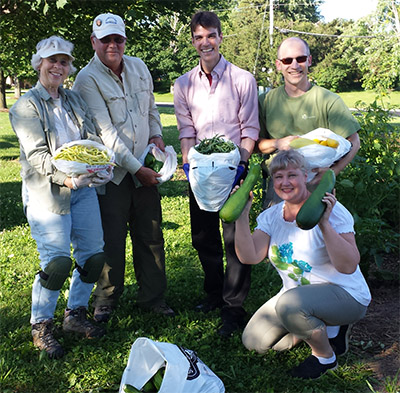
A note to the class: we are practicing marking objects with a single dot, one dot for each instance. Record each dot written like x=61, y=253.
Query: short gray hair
x=51, y=46
x=286, y=158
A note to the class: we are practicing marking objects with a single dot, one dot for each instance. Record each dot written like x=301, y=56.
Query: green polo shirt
x=281, y=115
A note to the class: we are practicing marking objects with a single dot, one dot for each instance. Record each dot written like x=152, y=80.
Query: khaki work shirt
x=124, y=112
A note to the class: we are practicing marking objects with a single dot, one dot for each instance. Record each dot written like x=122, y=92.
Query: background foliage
x=346, y=54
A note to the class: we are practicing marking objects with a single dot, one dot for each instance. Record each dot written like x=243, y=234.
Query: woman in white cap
x=61, y=210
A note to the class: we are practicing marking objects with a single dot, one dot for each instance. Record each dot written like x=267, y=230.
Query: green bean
x=84, y=154
x=216, y=144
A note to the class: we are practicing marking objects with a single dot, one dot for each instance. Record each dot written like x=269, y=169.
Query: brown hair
x=205, y=19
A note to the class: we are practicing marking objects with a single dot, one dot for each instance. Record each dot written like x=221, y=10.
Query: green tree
x=247, y=40
x=24, y=23
x=379, y=63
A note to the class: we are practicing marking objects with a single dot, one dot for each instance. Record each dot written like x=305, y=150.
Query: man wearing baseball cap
x=119, y=92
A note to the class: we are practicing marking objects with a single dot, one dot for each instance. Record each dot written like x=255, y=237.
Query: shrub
x=369, y=187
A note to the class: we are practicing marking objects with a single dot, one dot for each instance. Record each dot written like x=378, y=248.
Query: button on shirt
x=228, y=107
x=125, y=113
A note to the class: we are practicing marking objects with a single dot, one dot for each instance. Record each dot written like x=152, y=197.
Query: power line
x=259, y=41
x=284, y=30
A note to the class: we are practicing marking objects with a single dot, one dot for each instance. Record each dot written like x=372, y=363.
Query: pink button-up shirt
x=228, y=107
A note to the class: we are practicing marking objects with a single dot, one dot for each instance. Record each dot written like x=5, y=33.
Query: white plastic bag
x=168, y=157
x=319, y=156
x=73, y=168
x=211, y=177
x=184, y=371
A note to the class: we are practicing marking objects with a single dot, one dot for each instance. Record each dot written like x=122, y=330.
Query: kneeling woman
x=323, y=287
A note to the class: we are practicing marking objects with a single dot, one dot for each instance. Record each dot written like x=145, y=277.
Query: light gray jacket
x=33, y=122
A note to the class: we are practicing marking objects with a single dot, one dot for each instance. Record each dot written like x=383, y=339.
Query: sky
x=347, y=9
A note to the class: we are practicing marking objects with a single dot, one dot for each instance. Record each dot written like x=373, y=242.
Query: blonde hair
x=286, y=158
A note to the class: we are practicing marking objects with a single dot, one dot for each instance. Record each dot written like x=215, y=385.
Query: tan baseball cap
x=107, y=24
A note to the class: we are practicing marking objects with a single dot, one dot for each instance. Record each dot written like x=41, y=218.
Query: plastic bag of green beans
x=83, y=156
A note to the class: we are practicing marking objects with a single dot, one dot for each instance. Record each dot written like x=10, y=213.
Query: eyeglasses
x=289, y=60
x=108, y=39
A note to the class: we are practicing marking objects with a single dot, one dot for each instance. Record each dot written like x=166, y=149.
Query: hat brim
x=49, y=53
x=102, y=34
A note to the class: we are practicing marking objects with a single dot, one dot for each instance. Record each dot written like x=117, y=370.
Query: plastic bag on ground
x=211, y=177
x=184, y=371
x=169, y=158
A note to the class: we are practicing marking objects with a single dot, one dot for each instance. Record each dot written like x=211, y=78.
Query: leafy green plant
x=369, y=187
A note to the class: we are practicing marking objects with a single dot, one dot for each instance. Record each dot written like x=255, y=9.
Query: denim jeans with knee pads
x=54, y=234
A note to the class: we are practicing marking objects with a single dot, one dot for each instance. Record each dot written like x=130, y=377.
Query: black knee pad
x=55, y=273
x=91, y=270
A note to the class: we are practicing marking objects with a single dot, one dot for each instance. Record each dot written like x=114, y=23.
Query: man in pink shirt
x=216, y=97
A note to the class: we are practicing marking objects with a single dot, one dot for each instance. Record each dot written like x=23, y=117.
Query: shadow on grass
x=9, y=142
x=11, y=212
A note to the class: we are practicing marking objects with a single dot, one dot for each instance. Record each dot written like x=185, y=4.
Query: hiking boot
x=311, y=368
x=102, y=313
x=75, y=321
x=340, y=343
x=209, y=305
x=163, y=309
x=229, y=327
x=43, y=338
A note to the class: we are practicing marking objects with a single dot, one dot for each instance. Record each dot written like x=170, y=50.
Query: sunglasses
x=117, y=40
x=289, y=60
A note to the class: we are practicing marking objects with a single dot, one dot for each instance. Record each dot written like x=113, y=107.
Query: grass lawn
x=97, y=366
x=350, y=98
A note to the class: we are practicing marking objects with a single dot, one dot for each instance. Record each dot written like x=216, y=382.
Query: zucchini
x=313, y=208
x=152, y=163
x=130, y=389
x=158, y=378
x=234, y=205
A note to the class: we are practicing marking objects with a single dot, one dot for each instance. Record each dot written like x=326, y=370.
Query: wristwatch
x=244, y=163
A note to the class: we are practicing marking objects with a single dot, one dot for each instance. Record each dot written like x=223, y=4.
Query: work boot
x=75, y=321
x=102, y=313
x=163, y=309
x=43, y=338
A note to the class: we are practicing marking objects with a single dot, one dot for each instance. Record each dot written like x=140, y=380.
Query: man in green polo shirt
x=299, y=107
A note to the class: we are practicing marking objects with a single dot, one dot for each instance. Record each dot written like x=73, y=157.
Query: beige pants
x=296, y=313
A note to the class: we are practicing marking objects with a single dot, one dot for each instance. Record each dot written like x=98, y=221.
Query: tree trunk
x=3, y=101
x=17, y=87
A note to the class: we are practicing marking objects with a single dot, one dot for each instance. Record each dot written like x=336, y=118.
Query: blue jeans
x=54, y=234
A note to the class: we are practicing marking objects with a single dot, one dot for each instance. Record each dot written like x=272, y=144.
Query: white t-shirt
x=300, y=256
x=66, y=130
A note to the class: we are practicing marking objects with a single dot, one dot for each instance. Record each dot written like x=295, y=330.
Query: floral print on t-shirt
x=282, y=257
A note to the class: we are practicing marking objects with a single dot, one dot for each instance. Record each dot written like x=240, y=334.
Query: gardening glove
x=101, y=178
x=239, y=175
x=186, y=170
x=81, y=181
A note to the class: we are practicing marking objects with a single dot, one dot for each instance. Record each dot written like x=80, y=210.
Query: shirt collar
x=218, y=69
x=102, y=66
x=45, y=94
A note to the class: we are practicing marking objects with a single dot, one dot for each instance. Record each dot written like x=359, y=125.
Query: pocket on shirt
x=117, y=109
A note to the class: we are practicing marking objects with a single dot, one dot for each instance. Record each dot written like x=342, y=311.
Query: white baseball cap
x=54, y=46
x=107, y=24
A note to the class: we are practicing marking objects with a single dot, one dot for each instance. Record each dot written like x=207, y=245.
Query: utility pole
x=271, y=22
